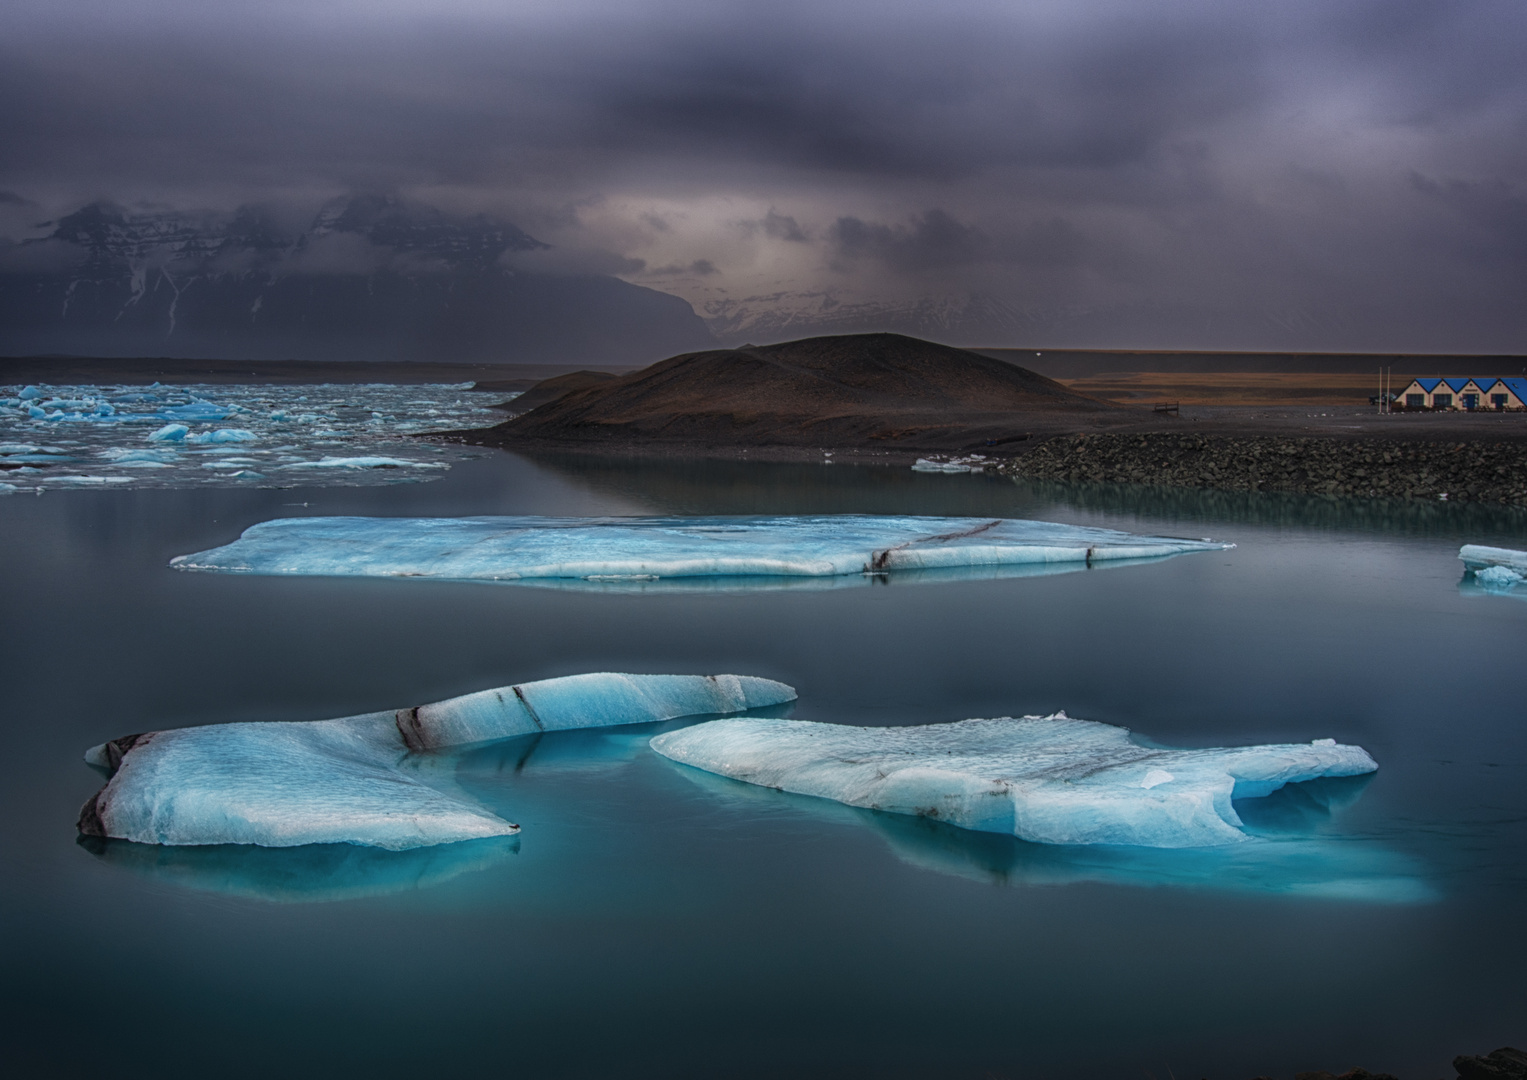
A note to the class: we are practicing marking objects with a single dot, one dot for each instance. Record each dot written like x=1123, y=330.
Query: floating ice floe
x=545, y=549
x=223, y=435
x=1049, y=780
x=362, y=779
x=938, y=463
x=366, y=463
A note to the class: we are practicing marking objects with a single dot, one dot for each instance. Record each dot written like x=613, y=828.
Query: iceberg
x=1044, y=779
x=362, y=779
x=1477, y=557
x=223, y=435
x=645, y=549
x=1493, y=571
x=169, y=433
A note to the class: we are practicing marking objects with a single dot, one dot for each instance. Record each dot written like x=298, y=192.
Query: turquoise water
x=655, y=921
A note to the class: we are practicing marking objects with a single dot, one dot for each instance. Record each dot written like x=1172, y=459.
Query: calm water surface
x=655, y=921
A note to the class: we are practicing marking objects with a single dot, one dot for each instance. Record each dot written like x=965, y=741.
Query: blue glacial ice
x=348, y=435
x=1478, y=557
x=1048, y=780
x=1493, y=571
x=363, y=779
x=613, y=550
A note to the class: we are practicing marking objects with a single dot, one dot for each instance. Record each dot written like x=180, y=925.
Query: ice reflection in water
x=1298, y=850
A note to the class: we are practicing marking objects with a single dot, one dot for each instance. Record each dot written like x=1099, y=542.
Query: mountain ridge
x=371, y=277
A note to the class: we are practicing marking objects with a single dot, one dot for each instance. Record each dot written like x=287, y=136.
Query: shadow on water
x=308, y=874
x=1287, y=854
x=778, y=583
x=1390, y=517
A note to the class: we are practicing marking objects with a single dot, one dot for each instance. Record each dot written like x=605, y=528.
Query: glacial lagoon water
x=654, y=920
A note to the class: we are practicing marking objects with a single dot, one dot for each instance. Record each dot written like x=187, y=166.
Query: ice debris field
x=64, y=437
x=614, y=550
x=1048, y=780
x=368, y=779
x=1501, y=571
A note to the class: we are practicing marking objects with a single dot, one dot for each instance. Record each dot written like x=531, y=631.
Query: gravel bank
x=1477, y=471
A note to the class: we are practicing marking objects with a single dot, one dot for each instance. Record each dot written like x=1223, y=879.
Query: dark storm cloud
x=936, y=240
x=1093, y=154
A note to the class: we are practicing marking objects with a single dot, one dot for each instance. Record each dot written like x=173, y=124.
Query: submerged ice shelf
x=362, y=779
x=1049, y=780
x=232, y=435
x=615, y=550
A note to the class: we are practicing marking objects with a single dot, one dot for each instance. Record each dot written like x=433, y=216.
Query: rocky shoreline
x=1488, y=471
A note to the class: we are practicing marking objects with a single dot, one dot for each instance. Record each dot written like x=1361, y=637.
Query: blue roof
x=1485, y=384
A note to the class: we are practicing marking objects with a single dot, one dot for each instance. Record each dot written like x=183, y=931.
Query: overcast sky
x=1305, y=173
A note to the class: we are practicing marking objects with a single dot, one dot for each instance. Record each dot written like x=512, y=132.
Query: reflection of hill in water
x=1403, y=517
x=314, y=872
x=1290, y=855
x=744, y=487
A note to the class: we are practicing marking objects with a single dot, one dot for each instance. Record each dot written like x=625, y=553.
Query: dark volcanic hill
x=865, y=391
x=371, y=278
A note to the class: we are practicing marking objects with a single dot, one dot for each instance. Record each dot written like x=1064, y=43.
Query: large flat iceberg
x=636, y=549
x=1045, y=779
x=359, y=779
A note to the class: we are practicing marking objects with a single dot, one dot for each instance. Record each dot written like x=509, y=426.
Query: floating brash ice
x=358, y=779
x=630, y=549
x=1045, y=779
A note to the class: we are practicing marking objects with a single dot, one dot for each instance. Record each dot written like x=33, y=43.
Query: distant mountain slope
x=966, y=319
x=371, y=278
x=866, y=390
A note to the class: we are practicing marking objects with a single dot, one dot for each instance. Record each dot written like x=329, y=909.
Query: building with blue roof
x=1468, y=395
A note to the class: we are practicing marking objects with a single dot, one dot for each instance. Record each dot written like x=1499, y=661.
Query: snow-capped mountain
x=370, y=277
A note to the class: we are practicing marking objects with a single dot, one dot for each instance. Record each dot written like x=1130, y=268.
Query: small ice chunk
x=170, y=433
x=223, y=435
x=366, y=463
x=30, y=393
x=354, y=780
x=1498, y=577
x=89, y=480
x=1049, y=780
x=203, y=411
x=128, y=456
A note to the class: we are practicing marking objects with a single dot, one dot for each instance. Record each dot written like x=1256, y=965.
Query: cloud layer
x=1309, y=174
